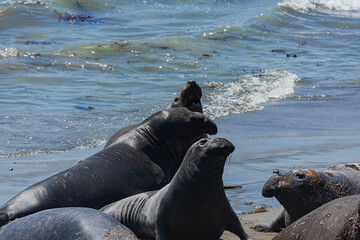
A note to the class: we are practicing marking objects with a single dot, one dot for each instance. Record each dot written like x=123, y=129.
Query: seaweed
x=77, y=18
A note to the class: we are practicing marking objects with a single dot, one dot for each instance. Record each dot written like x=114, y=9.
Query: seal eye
x=203, y=142
x=300, y=175
x=276, y=171
x=176, y=99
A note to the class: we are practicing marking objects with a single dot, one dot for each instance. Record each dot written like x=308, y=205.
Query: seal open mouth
x=194, y=103
x=189, y=97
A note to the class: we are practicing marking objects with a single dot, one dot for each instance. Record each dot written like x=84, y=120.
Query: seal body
x=338, y=219
x=192, y=206
x=303, y=190
x=189, y=97
x=66, y=223
x=144, y=159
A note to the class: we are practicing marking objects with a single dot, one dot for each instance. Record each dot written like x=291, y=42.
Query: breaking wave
x=336, y=5
x=248, y=93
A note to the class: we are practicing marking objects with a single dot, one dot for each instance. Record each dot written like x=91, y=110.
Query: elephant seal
x=192, y=206
x=66, y=223
x=301, y=191
x=338, y=219
x=189, y=97
x=144, y=159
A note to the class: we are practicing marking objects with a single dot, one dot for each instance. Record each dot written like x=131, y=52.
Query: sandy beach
x=250, y=220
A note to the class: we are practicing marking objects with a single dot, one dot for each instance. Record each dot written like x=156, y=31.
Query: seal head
x=189, y=97
x=303, y=190
x=299, y=191
x=209, y=153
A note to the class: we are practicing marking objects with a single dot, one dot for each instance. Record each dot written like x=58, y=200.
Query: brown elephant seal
x=301, y=191
x=144, y=159
x=192, y=206
x=189, y=97
x=66, y=223
x=338, y=219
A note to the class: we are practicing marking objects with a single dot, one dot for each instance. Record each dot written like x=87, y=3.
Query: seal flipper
x=161, y=221
x=233, y=225
x=274, y=226
x=161, y=233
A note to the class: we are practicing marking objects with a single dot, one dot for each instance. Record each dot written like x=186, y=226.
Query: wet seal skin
x=303, y=190
x=190, y=97
x=337, y=219
x=66, y=223
x=144, y=159
x=192, y=206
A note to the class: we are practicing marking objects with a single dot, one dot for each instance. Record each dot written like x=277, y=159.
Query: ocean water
x=280, y=78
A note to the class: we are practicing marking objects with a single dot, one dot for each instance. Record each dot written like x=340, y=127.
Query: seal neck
x=169, y=151
x=193, y=172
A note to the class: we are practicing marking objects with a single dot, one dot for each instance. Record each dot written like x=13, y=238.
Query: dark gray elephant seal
x=144, y=159
x=66, y=223
x=189, y=97
x=338, y=219
x=192, y=206
x=301, y=191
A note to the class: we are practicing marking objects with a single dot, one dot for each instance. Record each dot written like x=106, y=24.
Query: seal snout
x=221, y=145
x=217, y=150
x=192, y=83
x=210, y=126
x=268, y=191
x=226, y=146
x=271, y=185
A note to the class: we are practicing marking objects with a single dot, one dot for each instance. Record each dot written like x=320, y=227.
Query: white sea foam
x=9, y=52
x=94, y=144
x=337, y=5
x=249, y=92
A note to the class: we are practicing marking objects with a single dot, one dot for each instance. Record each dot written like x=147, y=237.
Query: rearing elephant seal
x=189, y=97
x=66, y=224
x=338, y=219
x=301, y=191
x=192, y=206
x=144, y=159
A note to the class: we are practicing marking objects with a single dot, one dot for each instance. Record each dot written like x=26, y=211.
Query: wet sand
x=250, y=220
